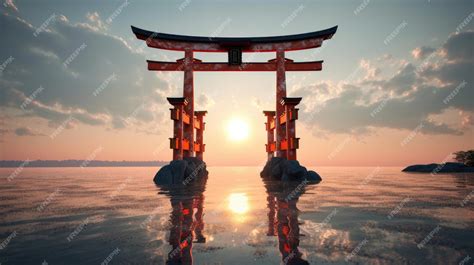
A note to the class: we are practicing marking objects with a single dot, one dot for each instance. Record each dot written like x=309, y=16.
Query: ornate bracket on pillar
x=270, y=127
x=289, y=117
x=178, y=143
x=199, y=124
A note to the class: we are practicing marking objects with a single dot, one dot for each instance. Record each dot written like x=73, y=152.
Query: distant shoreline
x=78, y=163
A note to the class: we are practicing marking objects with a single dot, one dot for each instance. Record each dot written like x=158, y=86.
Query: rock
x=285, y=177
x=313, y=176
x=181, y=172
x=177, y=169
x=164, y=176
x=294, y=170
x=449, y=167
x=196, y=168
x=276, y=170
x=272, y=168
x=282, y=169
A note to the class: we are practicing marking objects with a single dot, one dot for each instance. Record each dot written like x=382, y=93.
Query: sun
x=237, y=129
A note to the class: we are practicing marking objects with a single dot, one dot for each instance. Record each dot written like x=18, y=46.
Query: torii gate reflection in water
x=188, y=129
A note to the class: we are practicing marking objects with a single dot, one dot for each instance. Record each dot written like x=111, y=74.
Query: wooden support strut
x=270, y=127
x=177, y=143
x=199, y=146
x=291, y=115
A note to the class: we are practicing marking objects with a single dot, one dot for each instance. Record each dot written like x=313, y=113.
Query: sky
x=395, y=89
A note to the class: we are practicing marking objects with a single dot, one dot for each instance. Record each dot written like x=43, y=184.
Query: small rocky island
x=182, y=172
x=465, y=163
x=448, y=167
x=279, y=168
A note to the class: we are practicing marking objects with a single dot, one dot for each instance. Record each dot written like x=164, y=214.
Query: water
x=118, y=216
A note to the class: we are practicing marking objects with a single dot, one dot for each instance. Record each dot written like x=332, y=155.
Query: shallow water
x=118, y=216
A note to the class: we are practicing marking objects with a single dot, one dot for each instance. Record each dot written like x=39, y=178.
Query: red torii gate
x=188, y=129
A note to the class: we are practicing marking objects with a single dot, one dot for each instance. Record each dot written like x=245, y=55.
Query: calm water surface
x=118, y=216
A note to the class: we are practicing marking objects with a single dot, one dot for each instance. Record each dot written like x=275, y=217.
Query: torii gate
x=188, y=129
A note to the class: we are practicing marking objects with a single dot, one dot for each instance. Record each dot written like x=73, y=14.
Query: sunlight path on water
x=78, y=216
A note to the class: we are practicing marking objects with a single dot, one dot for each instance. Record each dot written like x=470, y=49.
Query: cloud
x=25, y=131
x=467, y=119
x=422, y=52
x=95, y=22
x=74, y=64
x=257, y=103
x=10, y=4
x=459, y=47
x=401, y=101
x=204, y=102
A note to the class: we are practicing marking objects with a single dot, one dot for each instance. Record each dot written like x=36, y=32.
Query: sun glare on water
x=237, y=129
x=238, y=203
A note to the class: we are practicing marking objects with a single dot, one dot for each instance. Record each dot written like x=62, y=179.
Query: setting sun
x=237, y=129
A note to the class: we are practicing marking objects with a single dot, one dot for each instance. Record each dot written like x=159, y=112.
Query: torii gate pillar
x=188, y=93
x=280, y=93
